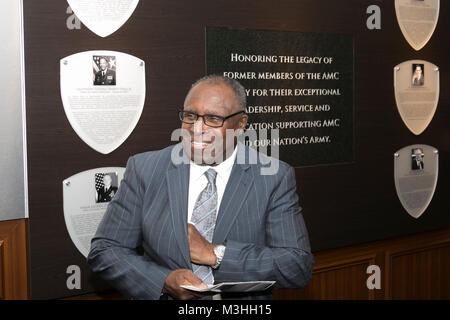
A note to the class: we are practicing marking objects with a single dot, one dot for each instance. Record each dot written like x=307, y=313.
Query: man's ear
x=243, y=122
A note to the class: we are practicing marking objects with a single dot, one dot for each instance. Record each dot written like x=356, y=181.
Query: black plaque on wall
x=299, y=90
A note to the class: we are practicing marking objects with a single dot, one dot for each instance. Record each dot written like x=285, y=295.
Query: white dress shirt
x=198, y=181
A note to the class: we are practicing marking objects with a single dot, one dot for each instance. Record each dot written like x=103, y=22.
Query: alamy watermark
x=211, y=147
x=374, y=280
x=74, y=279
x=373, y=22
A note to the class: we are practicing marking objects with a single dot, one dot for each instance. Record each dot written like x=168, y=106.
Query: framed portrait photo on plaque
x=86, y=196
x=103, y=94
x=416, y=174
x=416, y=86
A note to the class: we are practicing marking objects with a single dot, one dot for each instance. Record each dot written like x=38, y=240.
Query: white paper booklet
x=247, y=286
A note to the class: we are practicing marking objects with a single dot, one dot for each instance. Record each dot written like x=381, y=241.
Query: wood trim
x=337, y=275
x=13, y=260
x=107, y=295
x=2, y=269
x=348, y=265
x=426, y=277
x=424, y=258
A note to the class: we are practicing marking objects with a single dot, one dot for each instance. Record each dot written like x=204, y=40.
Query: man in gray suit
x=210, y=218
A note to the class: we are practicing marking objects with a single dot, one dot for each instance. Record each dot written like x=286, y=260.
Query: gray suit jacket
x=259, y=221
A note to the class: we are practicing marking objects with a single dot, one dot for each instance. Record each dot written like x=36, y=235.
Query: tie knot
x=211, y=176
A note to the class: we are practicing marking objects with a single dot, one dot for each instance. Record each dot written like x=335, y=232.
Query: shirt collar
x=223, y=169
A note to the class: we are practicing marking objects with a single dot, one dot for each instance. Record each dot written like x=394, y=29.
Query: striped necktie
x=204, y=219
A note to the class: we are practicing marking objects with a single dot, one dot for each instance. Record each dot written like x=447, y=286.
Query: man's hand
x=202, y=252
x=182, y=277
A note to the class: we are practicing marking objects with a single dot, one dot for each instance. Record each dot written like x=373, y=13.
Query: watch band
x=219, y=251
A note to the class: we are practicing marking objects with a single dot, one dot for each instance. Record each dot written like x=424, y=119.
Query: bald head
x=235, y=86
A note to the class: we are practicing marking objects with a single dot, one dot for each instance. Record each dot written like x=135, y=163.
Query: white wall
x=12, y=176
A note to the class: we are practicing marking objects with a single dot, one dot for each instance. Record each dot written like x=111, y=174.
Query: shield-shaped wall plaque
x=415, y=175
x=417, y=20
x=103, y=17
x=416, y=86
x=86, y=196
x=103, y=94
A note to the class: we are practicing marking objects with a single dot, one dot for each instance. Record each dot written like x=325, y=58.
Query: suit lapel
x=236, y=191
x=177, y=179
